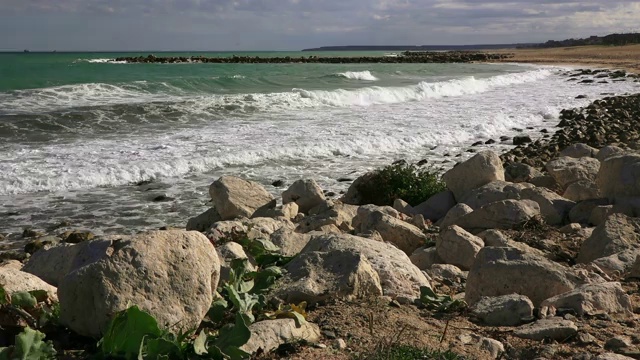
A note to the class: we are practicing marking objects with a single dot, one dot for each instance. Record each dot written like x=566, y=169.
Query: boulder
x=425, y=257
x=481, y=169
x=519, y=172
x=609, y=151
x=228, y=252
x=505, y=214
x=399, y=277
x=405, y=236
x=546, y=181
x=493, y=237
x=590, y=299
x=635, y=269
x=234, y=197
x=582, y=190
x=338, y=213
x=503, y=271
x=403, y=207
x=618, y=264
x=53, y=264
x=454, y=214
x=612, y=356
x=570, y=228
x=579, y=150
x=619, y=176
x=457, y=247
x=491, y=192
x=553, y=328
x=521, y=139
x=506, y=310
x=204, y=221
x=268, y=335
x=566, y=170
x=306, y=193
x=12, y=280
x=618, y=233
x=447, y=272
x=599, y=214
x=318, y=276
x=437, y=206
x=553, y=207
x=289, y=241
x=169, y=274
x=581, y=213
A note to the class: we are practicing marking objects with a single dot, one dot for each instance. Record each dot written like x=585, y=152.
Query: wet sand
x=615, y=57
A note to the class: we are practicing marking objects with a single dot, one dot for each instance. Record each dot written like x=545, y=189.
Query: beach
x=612, y=57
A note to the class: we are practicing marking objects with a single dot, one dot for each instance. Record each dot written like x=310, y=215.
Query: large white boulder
x=505, y=310
x=505, y=214
x=12, y=280
x=267, y=335
x=457, y=247
x=553, y=207
x=399, y=277
x=481, y=169
x=454, y=214
x=503, y=271
x=551, y=328
x=306, y=193
x=567, y=170
x=619, y=176
x=234, y=197
x=491, y=192
x=579, y=150
x=437, y=206
x=618, y=233
x=169, y=274
x=591, y=299
x=405, y=236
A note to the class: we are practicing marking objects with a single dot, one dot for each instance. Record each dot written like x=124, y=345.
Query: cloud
x=294, y=24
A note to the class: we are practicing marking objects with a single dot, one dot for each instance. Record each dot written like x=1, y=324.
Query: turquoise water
x=78, y=132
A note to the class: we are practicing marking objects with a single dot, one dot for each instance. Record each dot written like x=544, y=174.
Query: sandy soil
x=619, y=57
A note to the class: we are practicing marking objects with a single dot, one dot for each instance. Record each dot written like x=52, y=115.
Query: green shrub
x=410, y=183
x=405, y=352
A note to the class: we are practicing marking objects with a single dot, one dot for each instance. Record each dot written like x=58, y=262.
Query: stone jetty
x=405, y=58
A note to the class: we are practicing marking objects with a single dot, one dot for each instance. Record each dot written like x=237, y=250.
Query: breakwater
x=407, y=57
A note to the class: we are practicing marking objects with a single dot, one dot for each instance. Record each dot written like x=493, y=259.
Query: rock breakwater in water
x=406, y=58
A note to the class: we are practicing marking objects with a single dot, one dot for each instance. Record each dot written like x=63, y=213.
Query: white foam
x=358, y=75
x=100, y=61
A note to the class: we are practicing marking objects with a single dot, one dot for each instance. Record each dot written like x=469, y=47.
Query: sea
x=118, y=148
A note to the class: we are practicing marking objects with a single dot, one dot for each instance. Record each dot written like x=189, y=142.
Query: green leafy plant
x=34, y=308
x=291, y=311
x=406, y=352
x=408, y=182
x=29, y=345
x=440, y=303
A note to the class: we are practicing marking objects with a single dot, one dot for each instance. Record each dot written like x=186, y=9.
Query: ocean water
x=79, y=133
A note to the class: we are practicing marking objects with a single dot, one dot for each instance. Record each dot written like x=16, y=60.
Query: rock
x=317, y=276
x=618, y=342
x=579, y=150
x=40, y=243
x=267, y=335
x=228, y=252
x=611, y=356
x=618, y=264
x=506, y=310
x=31, y=233
x=599, y=214
x=489, y=193
x=618, y=233
x=169, y=274
x=403, y=207
x=289, y=210
x=437, y=206
x=400, y=279
x=405, y=236
x=635, y=269
x=340, y=344
x=590, y=299
x=481, y=169
x=494, y=348
x=75, y=237
x=553, y=328
x=204, y=221
x=582, y=190
x=339, y=214
x=493, y=237
x=12, y=279
x=546, y=181
x=570, y=228
x=447, y=272
x=234, y=197
x=521, y=139
x=306, y=193
x=581, y=213
x=553, y=207
x=619, y=176
x=609, y=151
x=424, y=258
x=457, y=247
x=353, y=195
x=505, y=214
x=454, y=214
x=53, y=264
x=289, y=241
x=519, y=172
x=503, y=271
x=566, y=170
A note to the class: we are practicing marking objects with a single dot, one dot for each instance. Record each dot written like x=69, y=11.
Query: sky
x=232, y=25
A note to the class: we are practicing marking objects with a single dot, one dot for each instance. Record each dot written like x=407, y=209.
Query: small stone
x=75, y=237
x=28, y=233
x=278, y=183
x=617, y=343
x=585, y=338
x=340, y=344
x=552, y=328
x=329, y=334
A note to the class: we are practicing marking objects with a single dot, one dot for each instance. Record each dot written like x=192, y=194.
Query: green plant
x=410, y=183
x=406, y=352
x=29, y=346
x=440, y=303
x=34, y=308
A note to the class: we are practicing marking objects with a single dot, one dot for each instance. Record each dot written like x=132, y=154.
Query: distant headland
x=418, y=47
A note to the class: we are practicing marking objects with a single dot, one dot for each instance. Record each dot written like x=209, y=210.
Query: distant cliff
x=611, y=39
x=417, y=47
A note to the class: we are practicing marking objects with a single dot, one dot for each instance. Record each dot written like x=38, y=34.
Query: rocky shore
x=407, y=58
x=532, y=254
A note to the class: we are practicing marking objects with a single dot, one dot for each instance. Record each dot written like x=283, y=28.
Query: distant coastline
x=418, y=47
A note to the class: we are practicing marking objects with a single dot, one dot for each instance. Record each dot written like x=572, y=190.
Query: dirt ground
x=621, y=57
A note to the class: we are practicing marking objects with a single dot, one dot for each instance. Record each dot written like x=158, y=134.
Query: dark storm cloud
x=294, y=24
